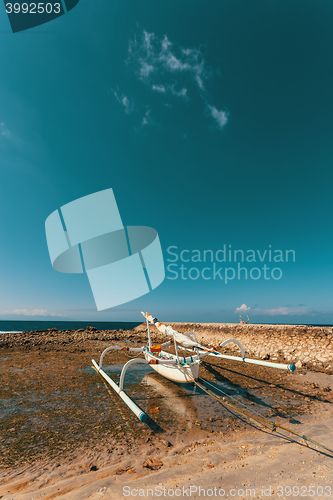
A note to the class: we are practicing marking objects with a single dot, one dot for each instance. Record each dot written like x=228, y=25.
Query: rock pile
x=54, y=338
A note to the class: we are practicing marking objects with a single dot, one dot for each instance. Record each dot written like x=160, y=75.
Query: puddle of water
x=181, y=405
x=92, y=408
x=171, y=405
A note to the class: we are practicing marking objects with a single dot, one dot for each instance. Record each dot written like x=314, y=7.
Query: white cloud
x=284, y=311
x=145, y=70
x=147, y=119
x=164, y=66
x=124, y=101
x=4, y=132
x=147, y=38
x=170, y=88
x=220, y=117
x=158, y=56
x=159, y=88
x=31, y=312
x=179, y=93
x=243, y=308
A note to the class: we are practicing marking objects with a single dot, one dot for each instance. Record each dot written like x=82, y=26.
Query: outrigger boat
x=173, y=366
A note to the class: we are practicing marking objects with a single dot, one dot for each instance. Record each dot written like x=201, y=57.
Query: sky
x=211, y=123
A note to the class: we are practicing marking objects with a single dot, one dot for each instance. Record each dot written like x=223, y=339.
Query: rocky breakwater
x=306, y=346
x=74, y=340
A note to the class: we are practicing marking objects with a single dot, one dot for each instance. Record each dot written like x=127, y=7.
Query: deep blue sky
x=211, y=122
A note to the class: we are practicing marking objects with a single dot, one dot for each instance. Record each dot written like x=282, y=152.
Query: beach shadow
x=234, y=388
x=154, y=426
x=264, y=382
x=263, y=427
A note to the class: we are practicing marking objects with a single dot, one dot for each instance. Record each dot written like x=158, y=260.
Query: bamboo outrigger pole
x=127, y=400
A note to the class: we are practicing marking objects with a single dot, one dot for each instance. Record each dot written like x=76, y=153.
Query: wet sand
x=64, y=434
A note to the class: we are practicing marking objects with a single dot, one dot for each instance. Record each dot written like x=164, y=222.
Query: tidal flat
x=64, y=433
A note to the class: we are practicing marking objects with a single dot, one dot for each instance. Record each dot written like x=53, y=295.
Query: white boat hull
x=186, y=375
x=183, y=374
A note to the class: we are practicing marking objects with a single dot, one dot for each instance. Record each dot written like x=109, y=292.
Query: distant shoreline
x=19, y=326
x=14, y=326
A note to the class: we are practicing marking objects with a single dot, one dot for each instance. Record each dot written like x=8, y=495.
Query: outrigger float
x=173, y=366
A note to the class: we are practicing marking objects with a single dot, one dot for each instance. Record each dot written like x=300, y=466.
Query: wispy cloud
x=162, y=89
x=220, y=117
x=287, y=311
x=147, y=119
x=159, y=88
x=4, y=132
x=31, y=312
x=145, y=70
x=284, y=311
x=243, y=308
x=124, y=101
x=157, y=56
x=179, y=93
x=170, y=70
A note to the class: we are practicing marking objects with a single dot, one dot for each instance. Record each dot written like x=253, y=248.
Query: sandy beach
x=65, y=435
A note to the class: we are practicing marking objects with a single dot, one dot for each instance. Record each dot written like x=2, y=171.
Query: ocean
x=23, y=326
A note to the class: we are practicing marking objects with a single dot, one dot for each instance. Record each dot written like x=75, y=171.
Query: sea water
x=22, y=326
